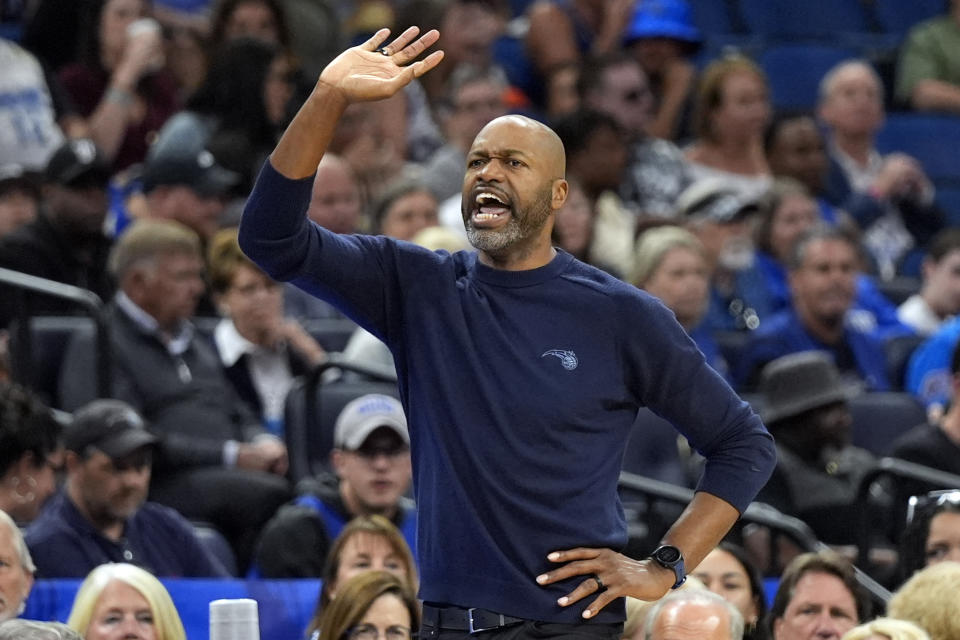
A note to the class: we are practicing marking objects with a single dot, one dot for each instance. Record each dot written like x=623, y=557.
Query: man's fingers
x=403, y=55
x=432, y=60
x=580, y=553
x=584, y=589
x=600, y=602
x=375, y=40
x=401, y=41
x=578, y=568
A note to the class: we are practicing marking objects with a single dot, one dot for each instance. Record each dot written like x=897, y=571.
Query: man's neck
x=827, y=330
x=523, y=257
x=108, y=527
x=356, y=508
x=932, y=299
x=858, y=146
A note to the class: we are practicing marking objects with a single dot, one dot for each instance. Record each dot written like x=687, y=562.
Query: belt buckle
x=471, y=629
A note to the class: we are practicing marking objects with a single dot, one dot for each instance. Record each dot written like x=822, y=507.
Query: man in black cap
x=182, y=180
x=102, y=515
x=66, y=241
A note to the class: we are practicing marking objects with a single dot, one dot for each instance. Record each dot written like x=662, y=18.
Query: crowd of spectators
x=809, y=267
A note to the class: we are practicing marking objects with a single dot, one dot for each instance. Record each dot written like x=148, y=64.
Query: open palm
x=365, y=72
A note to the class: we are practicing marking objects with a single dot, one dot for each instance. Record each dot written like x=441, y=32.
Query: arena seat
x=214, y=542
x=794, y=71
x=879, y=417
x=712, y=17
x=899, y=16
x=812, y=19
x=931, y=139
x=311, y=410
x=948, y=199
x=49, y=337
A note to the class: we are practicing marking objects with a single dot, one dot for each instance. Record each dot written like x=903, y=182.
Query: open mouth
x=490, y=210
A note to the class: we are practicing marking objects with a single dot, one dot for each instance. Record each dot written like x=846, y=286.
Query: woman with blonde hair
x=121, y=600
x=369, y=604
x=886, y=628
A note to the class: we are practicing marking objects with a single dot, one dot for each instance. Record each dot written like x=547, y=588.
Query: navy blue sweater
x=520, y=389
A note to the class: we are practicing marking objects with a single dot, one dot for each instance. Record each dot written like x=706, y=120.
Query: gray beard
x=518, y=229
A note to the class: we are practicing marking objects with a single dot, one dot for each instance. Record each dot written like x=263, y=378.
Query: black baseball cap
x=111, y=426
x=179, y=157
x=78, y=163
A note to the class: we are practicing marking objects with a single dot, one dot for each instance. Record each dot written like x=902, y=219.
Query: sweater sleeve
x=352, y=272
x=677, y=384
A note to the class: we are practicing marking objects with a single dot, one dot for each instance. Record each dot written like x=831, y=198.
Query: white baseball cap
x=364, y=415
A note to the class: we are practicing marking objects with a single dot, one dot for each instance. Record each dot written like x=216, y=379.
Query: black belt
x=472, y=620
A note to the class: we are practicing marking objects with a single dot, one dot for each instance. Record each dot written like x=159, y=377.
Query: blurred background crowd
x=782, y=175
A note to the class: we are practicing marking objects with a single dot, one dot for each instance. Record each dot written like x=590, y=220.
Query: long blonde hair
x=166, y=620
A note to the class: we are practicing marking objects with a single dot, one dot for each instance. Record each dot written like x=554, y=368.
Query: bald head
x=335, y=202
x=532, y=137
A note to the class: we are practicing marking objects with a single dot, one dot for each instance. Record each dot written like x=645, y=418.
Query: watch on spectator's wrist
x=669, y=557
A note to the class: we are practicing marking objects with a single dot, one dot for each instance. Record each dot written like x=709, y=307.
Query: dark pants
x=237, y=502
x=531, y=630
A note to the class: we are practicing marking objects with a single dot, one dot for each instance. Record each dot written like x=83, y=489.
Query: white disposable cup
x=234, y=620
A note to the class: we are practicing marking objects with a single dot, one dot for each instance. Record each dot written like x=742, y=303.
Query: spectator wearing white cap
x=371, y=461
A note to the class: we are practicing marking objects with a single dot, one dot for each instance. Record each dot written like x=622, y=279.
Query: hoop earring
x=30, y=495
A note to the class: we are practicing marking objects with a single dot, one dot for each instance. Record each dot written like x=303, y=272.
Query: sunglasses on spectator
x=932, y=502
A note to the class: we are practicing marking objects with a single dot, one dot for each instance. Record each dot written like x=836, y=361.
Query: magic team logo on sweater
x=567, y=358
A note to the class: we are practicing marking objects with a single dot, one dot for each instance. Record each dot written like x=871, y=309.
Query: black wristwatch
x=669, y=557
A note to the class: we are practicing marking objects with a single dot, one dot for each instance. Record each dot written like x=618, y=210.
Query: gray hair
x=829, y=80
x=32, y=630
x=696, y=597
x=146, y=240
x=18, y=543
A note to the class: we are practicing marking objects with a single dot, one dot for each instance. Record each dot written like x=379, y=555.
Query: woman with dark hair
x=729, y=573
x=245, y=111
x=261, y=20
x=29, y=440
x=120, y=83
x=932, y=533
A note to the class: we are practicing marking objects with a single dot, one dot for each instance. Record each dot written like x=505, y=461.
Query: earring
x=30, y=495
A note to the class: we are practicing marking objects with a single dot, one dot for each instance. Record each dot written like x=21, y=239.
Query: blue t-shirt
x=928, y=373
x=520, y=389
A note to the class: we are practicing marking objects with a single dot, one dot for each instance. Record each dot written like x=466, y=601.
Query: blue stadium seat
x=948, y=198
x=790, y=19
x=934, y=140
x=794, y=71
x=712, y=17
x=880, y=417
x=899, y=16
x=217, y=546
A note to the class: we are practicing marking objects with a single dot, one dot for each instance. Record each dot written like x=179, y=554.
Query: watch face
x=668, y=555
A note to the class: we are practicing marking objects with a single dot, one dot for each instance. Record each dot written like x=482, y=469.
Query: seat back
x=217, y=546
x=795, y=71
x=899, y=16
x=880, y=417
x=789, y=19
x=308, y=431
x=43, y=356
x=931, y=139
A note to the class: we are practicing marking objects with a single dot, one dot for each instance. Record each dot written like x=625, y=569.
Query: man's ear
x=337, y=461
x=559, y=191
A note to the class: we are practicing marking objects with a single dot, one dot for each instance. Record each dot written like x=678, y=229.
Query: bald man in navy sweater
x=521, y=371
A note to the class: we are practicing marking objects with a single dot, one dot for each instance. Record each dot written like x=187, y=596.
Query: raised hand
x=371, y=72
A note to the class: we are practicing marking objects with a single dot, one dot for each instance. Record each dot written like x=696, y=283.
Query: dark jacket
x=186, y=399
x=42, y=249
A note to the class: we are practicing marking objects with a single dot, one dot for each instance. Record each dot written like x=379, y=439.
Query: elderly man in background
x=212, y=447
x=16, y=569
x=694, y=614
